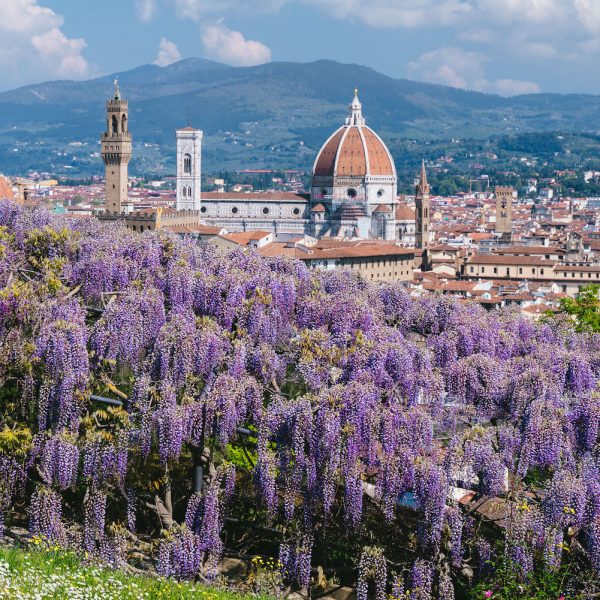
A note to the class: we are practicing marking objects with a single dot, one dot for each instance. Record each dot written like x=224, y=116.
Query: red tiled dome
x=354, y=150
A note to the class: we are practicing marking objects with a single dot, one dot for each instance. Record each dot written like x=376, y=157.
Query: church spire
x=423, y=186
x=422, y=207
x=355, y=117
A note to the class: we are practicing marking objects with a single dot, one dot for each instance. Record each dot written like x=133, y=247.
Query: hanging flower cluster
x=349, y=409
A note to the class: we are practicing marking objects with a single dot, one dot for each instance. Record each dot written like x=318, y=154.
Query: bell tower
x=422, y=206
x=189, y=148
x=504, y=207
x=116, y=152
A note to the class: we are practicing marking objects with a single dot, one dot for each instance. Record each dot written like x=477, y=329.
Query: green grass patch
x=45, y=574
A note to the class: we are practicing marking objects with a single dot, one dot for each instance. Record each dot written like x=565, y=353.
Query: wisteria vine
x=249, y=390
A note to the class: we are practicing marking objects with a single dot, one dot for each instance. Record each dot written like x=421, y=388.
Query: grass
x=49, y=574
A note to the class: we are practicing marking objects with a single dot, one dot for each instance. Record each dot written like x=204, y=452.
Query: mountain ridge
x=277, y=113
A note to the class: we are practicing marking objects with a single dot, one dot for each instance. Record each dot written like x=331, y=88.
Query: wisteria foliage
x=354, y=405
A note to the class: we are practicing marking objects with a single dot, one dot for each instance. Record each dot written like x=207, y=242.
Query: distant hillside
x=271, y=115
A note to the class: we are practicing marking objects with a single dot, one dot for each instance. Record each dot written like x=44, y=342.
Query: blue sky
x=496, y=46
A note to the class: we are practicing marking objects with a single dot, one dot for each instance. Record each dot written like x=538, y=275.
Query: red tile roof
x=6, y=192
x=382, y=208
x=487, y=259
x=245, y=237
x=404, y=212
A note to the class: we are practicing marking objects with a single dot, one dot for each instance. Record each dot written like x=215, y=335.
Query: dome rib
x=379, y=156
x=325, y=163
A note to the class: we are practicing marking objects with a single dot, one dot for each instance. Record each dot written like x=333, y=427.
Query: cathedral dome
x=354, y=150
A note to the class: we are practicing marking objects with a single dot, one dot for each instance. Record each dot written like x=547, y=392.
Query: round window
x=351, y=193
x=234, y=210
x=296, y=211
x=380, y=193
x=203, y=209
x=265, y=211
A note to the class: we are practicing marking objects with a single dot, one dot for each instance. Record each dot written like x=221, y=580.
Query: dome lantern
x=355, y=117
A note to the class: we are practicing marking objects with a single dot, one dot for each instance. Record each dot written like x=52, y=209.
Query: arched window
x=115, y=125
x=184, y=191
x=187, y=164
x=189, y=192
x=123, y=123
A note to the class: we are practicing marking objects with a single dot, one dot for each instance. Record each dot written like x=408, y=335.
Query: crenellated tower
x=116, y=152
x=422, y=210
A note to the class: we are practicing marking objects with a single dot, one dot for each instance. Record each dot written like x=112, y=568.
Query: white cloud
x=588, y=12
x=458, y=68
x=524, y=11
x=450, y=66
x=61, y=53
x=514, y=87
x=556, y=14
x=32, y=44
x=145, y=10
x=477, y=35
x=197, y=9
x=26, y=16
x=392, y=13
x=537, y=49
x=232, y=47
x=539, y=30
x=168, y=53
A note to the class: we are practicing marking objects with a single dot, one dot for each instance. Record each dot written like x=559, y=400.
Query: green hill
x=274, y=115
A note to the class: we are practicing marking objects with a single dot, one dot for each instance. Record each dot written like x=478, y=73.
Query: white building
x=189, y=168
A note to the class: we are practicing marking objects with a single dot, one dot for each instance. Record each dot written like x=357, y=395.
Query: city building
x=116, y=152
x=373, y=260
x=189, y=157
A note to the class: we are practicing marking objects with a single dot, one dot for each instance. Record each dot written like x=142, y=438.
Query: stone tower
x=422, y=210
x=504, y=200
x=116, y=152
x=189, y=163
